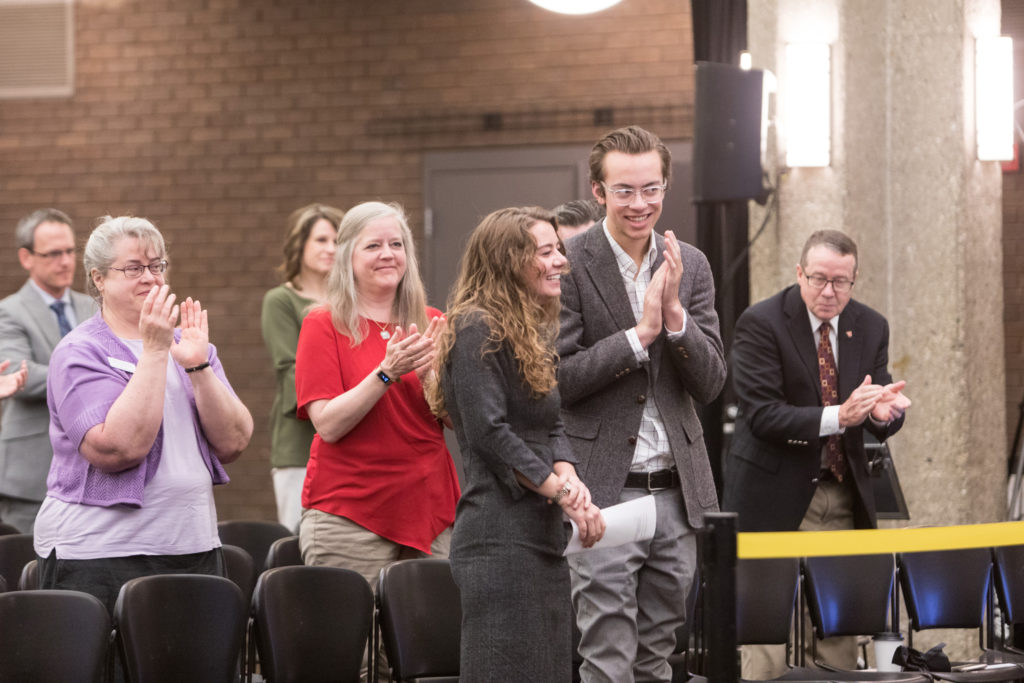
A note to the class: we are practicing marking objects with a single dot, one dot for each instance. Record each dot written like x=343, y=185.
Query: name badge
x=121, y=364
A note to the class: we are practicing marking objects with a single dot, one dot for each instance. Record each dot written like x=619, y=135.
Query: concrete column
x=905, y=183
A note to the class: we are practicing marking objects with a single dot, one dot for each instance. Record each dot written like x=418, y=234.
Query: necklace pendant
x=384, y=334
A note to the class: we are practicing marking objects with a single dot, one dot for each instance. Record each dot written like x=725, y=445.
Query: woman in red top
x=380, y=484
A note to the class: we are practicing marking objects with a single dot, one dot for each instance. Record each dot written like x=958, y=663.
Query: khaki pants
x=831, y=509
x=327, y=540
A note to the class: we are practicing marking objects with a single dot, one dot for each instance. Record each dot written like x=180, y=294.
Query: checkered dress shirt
x=652, y=448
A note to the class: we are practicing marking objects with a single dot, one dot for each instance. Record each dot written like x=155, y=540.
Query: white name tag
x=121, y=364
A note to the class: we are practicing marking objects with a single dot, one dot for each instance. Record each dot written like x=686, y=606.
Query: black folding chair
x=284, y=552
x=311, y=624
x=420, y=620
x=256, y=536
x=950, y=589
x=15, y=551
x=53, y=636
x=180, y=627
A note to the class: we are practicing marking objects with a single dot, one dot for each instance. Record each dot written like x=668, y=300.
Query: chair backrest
x=849, y=595
x=420, y=617
x=255, y=536
x=765, y=600
x=284, y=552
x=946, y=588
x=53, y=636
x=15, y=551
x=29, y=579
x=180, y=627
x=1009, y=562
x=240, y=568
x=312, y=624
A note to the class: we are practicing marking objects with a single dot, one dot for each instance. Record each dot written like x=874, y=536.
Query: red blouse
x=392, y=473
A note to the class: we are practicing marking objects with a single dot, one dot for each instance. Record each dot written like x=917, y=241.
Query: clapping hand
x=671, y=308
x=410, y=350
x=14, y=382
x=891, y=403
x=194, y=346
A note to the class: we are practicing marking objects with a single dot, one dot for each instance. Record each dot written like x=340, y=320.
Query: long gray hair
x=101, y=249
x=342, y=295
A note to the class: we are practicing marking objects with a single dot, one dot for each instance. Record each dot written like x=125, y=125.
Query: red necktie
x=830, y=397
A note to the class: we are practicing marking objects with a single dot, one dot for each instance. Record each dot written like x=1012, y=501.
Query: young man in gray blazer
x=32, y=321
x=639, y=347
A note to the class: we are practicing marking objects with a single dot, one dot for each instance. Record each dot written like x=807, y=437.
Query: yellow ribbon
x=877, y=541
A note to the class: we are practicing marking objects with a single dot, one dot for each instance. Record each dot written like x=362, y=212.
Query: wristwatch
x=384, y=377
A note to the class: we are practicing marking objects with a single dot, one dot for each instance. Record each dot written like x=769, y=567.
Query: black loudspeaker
x=727, y=134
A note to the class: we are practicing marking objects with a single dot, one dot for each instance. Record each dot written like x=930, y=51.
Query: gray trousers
x=629, y=600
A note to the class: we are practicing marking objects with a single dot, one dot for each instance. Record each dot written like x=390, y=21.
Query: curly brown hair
x=495, y=280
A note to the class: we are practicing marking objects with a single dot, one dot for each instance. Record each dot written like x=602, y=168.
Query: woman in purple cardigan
x=142, y=419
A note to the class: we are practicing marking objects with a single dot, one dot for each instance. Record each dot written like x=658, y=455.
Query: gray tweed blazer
x=603, y=387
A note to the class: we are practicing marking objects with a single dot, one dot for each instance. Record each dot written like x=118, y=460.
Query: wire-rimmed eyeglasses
x=840, y=285
x=623, y=196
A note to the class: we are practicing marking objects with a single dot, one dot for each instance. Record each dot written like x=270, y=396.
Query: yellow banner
x=877, y=541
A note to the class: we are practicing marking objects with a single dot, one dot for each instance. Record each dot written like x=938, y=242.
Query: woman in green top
x=308, y=256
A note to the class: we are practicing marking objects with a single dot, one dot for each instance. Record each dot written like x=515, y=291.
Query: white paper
x=626, y=522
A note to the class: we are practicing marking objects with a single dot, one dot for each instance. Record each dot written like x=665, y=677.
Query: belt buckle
x=651, y=488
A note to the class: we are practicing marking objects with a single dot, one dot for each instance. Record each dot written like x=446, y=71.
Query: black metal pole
x=719, y=572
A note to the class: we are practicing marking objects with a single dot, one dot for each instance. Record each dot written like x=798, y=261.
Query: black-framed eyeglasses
x=135, y=270
x=623, y=196
x=840, y=285
x=55, y=254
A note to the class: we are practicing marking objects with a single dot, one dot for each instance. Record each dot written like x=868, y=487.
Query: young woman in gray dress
x=497, y=383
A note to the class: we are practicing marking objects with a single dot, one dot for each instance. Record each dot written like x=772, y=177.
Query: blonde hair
x=101, y=249
x=343, y=297
x=495, y=279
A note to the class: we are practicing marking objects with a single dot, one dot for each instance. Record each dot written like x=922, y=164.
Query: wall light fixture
x=993, y=98
x=807, y=89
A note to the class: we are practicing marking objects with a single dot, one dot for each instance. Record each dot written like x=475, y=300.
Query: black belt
x=658, y=480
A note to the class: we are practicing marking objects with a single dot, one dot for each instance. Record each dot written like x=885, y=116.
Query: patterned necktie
x=62, y=320
x=830, y=397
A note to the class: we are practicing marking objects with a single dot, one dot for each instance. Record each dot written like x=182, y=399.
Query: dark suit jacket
x=604, y=388
x=775, y=456
x=29, y=331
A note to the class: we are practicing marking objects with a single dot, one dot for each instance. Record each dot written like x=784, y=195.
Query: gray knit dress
x=507, y=544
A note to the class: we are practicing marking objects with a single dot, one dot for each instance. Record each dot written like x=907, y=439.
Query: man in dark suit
x=810, y=369
x=639, y=346
x=32, y=321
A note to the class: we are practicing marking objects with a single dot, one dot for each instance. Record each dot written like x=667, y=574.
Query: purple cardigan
x=82, y=384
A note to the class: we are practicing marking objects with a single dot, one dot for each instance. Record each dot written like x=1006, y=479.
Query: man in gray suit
x=639, y=346
x=32, y=321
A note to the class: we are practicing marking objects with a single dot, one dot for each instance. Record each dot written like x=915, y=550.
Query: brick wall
x=216, y=118
x=1013, y=238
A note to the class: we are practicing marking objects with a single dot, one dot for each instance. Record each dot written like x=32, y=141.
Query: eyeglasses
x=623, y=196
x=55, y=254
x=135, y=270
x=840, y=285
